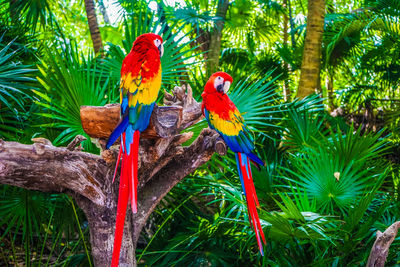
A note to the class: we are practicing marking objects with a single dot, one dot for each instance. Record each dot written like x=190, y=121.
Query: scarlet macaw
x=139, y=86
x=223, y=116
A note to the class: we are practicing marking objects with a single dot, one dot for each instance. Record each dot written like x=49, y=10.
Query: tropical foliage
x=332, y=177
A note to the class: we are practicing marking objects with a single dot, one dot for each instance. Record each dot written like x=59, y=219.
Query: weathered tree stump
x=380, y=249
x=163, y=162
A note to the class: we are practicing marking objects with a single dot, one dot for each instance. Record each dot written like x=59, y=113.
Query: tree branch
x=43, y=167
x=380, y=249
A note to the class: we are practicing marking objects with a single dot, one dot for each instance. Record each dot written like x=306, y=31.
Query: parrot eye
x=157, y=42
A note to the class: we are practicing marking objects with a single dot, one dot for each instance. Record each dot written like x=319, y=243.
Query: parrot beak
x=220, y=88
x=226, y=86
x=161, y=49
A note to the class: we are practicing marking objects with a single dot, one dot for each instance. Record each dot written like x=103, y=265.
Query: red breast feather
x=144, y=57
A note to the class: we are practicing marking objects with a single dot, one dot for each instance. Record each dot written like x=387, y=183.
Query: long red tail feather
x=134, y=177
x=116, y=165
x=127, y=190
x=251, y=198
x=123, y=197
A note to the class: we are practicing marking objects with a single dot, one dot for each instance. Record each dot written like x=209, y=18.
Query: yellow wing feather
x=231, y=127
x=142, y=91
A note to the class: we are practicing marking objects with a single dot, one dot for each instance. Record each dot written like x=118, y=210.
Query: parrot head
x=218, y=82
x=148, y=41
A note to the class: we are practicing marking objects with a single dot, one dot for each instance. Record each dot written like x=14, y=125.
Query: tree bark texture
x=380, y=249
x=286, y=88
x=216, y=36
x=163, y=162
x=93, y=26
x=310, y=67
x=209, y=41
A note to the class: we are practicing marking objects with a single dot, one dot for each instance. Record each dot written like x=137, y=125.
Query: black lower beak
x=159, y=50
x=220, y=88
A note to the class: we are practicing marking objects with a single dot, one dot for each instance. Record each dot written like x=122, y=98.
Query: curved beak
x=220, y=88
x=226, y=86
x=161, y=49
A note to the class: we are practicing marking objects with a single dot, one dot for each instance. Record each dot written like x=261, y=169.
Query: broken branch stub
x=380, y=248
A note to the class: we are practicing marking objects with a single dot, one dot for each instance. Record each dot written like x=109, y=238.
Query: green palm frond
x=15, y=85
x=302, y=129
x=32, y=11
x=304, y=124
x=10, y=123
x=356, y=146
x=257, y=101
x=287, y=224
x=293, y=223
x=390, y=7
x=245, y=21
x=14, y=77
x=193, y=16
x=334, y=185
x=35, y=220
x=70, y=81
x=336, y=170
x=177, y=58
x=342, y=30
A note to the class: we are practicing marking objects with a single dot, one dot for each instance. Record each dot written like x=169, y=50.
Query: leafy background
x=328, y=186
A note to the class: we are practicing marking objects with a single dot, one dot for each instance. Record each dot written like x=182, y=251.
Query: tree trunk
x=93, y=26
x=101, y=221
x=286, y=89
x=163, y=162
x=310, y=67
x=215, y=37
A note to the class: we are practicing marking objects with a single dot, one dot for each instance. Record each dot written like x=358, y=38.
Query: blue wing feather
x=241, y=143
x=117, y=131
x=129, y=138
x=240, y=173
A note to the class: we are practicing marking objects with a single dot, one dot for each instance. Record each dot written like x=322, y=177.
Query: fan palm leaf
x=70, y=80
x=177, y=56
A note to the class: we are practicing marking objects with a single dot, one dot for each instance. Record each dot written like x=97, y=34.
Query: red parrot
x=223, y=116
x=139, y=86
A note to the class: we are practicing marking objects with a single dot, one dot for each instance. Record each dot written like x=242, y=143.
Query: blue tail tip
x=108, y=145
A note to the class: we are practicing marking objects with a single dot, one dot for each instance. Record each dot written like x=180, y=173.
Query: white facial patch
x=226, y=86
x=157, y=42
x=218, y=81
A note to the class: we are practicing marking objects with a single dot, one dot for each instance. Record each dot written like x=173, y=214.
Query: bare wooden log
x=380, y=249
x=99, y=122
